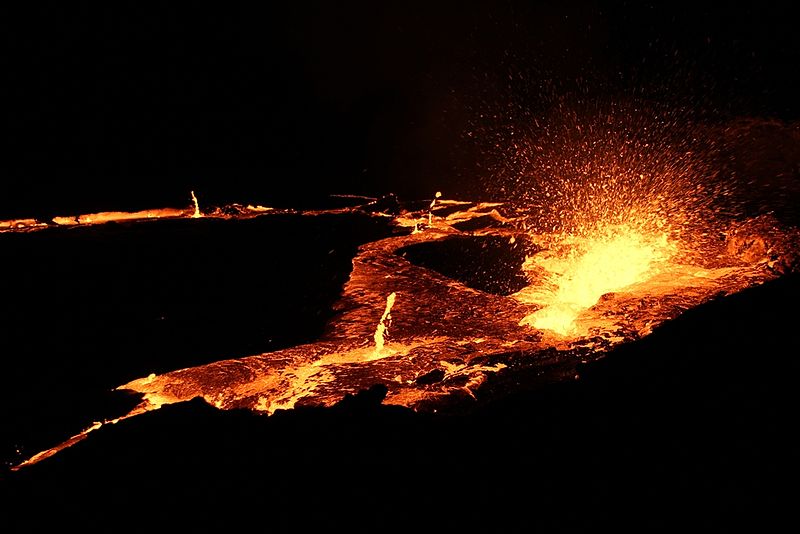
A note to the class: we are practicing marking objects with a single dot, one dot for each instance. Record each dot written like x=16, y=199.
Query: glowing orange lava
x=589, y=290
x=234, y=211
x=381, y=330
x=196, y=214
x=578, y=271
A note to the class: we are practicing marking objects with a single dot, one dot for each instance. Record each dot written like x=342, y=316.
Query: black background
x=131, y=106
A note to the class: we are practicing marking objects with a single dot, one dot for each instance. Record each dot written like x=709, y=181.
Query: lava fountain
x=618, y=194
x=583, y=270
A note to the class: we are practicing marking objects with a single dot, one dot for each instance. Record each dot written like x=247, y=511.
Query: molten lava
x=587, y=292
x=196, y=214
x=625, y=224
x=580, y=270
x=381, y=330
x=234, y=211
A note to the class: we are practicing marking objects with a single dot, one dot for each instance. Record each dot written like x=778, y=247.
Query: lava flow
x=90, y=219
x=585, y=294
x=611, y=233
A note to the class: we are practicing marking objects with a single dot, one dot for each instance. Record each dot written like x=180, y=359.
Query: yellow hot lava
x=578, y=271
x=380, y=331
x=197, y=213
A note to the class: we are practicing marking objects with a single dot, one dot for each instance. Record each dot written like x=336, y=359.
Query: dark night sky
x=114, y=107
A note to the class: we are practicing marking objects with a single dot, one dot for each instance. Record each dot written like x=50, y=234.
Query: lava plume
x=618, y=193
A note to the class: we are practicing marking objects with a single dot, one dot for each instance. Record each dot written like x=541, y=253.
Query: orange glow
x=87, y=219
x=580, y=270
x=381, y=330
x=433, y=203
x=589, y=290
x=118, y=216
x=196, y=214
